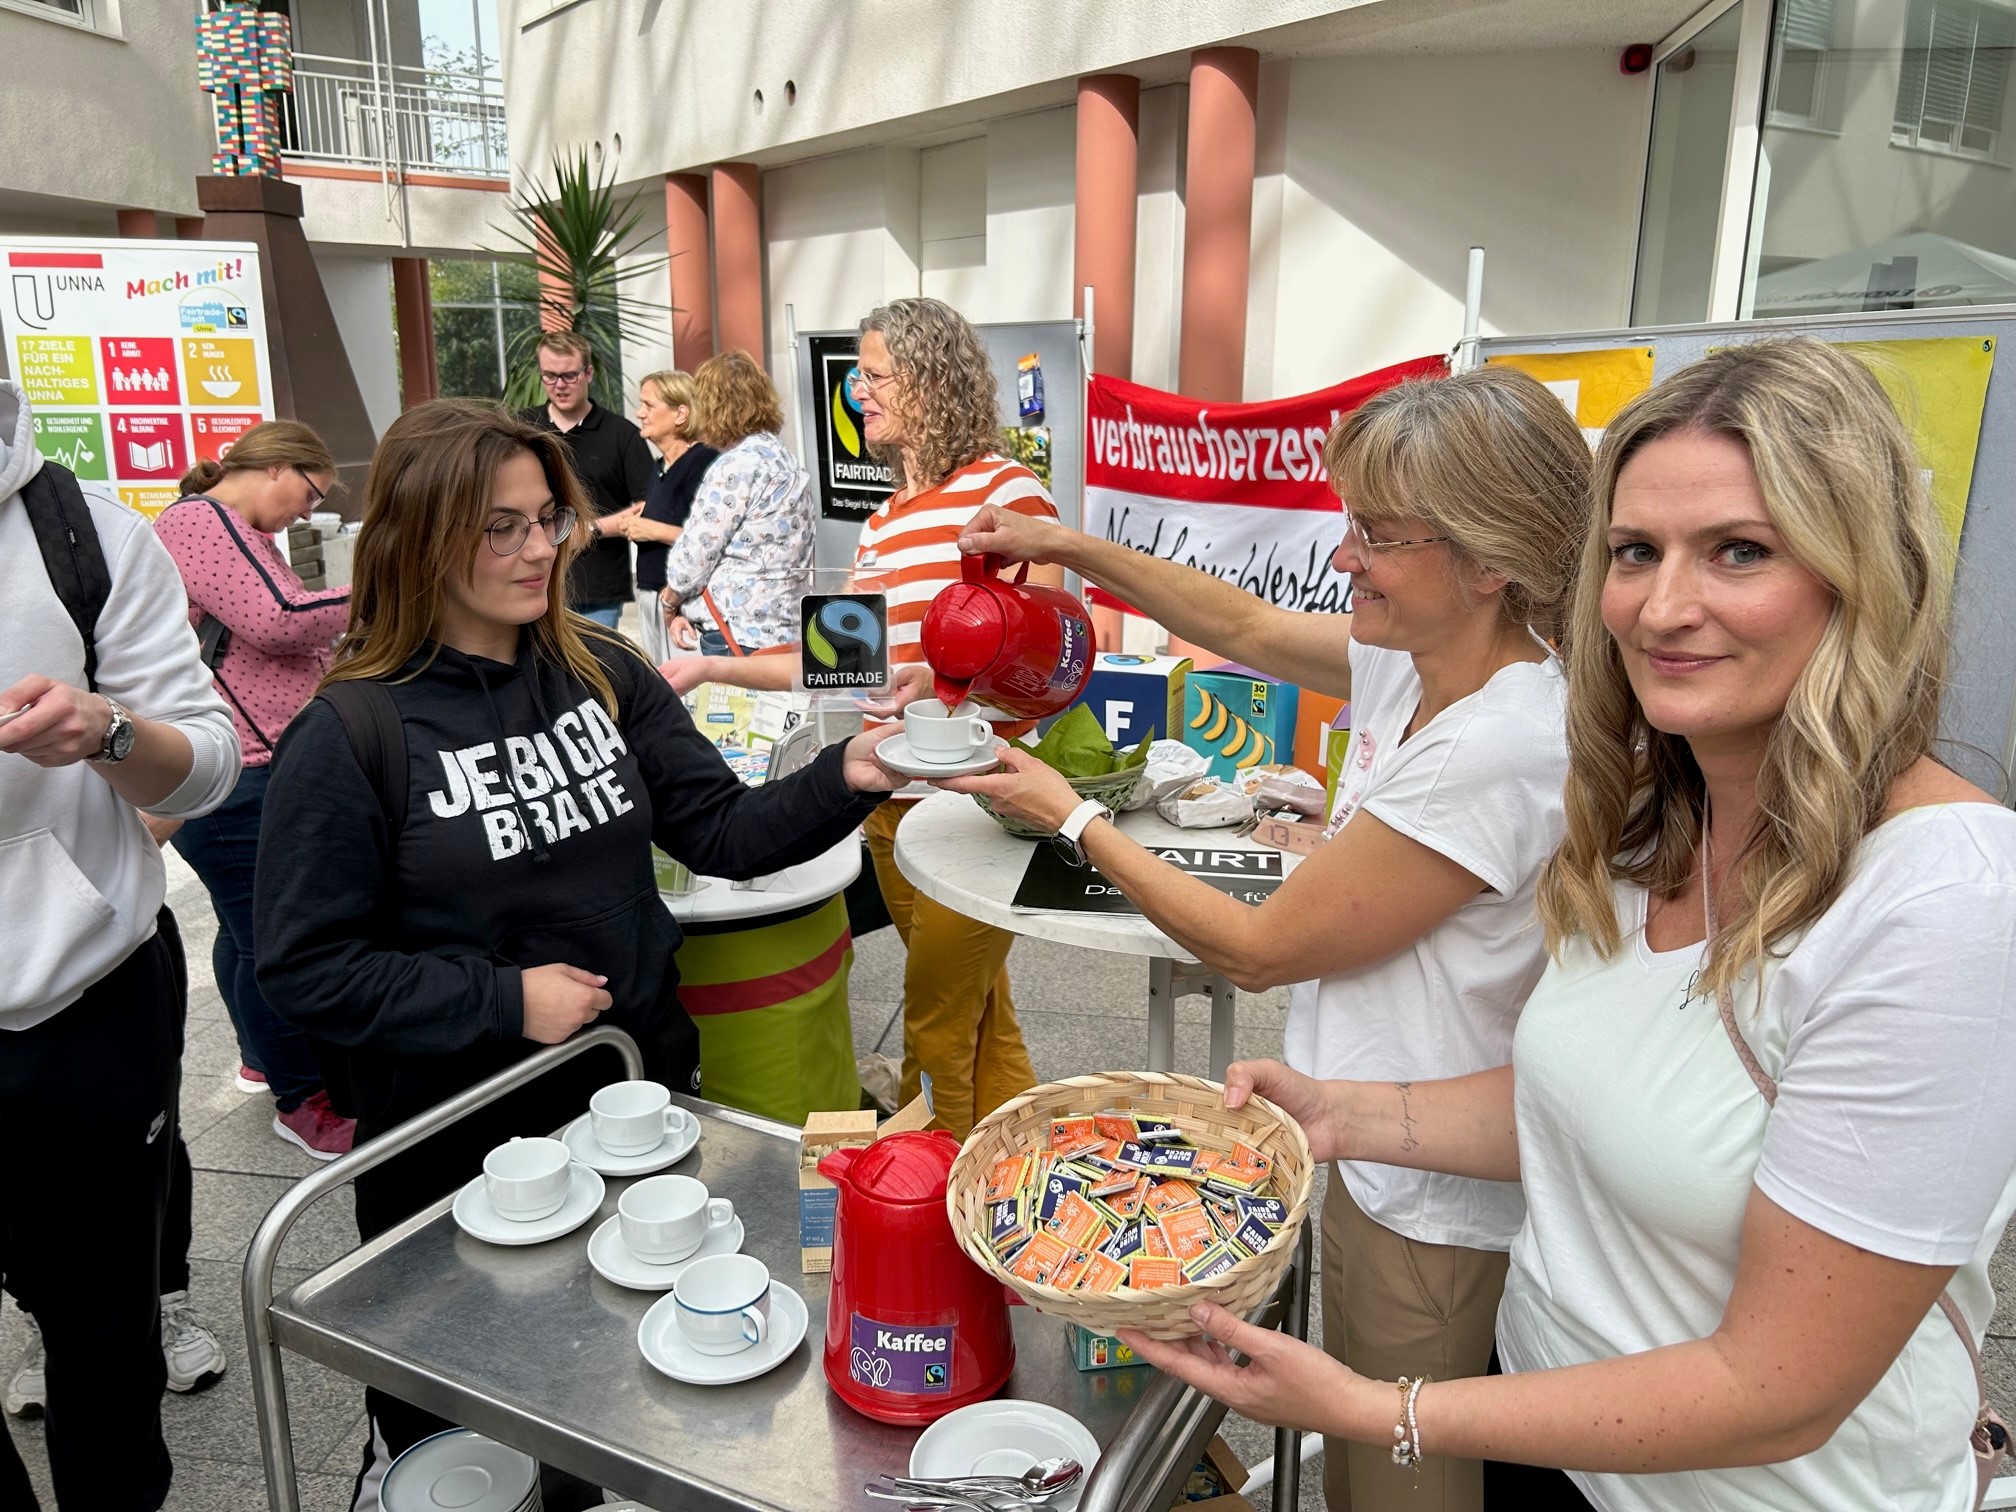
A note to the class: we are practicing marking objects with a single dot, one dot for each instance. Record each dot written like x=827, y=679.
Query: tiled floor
x=1081, y=1012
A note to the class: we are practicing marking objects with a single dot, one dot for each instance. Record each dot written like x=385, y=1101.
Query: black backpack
x=71, y=554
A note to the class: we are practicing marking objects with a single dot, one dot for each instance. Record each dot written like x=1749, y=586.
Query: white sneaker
x=28, y=1386
x=195, y=1358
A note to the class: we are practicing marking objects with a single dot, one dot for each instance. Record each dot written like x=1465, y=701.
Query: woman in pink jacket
x=267, y=641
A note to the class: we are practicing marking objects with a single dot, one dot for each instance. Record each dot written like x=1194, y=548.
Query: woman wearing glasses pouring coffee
x=1759, y=1102
x=439, y=902
x=1411, y=934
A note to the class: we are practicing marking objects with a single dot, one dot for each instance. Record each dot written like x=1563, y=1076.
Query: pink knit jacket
x=281, y=633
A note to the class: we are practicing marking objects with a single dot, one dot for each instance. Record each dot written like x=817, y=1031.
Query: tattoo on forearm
x=1407, y=1139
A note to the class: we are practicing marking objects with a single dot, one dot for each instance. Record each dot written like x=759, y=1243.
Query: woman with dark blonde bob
x=1759, y=1101
x=442, y=901
x=744, y=558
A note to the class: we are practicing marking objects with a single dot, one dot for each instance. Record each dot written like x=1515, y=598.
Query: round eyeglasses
x=507, y=535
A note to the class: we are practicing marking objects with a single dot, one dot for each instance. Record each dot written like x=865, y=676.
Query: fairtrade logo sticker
x=220, y=371
x=844, y=640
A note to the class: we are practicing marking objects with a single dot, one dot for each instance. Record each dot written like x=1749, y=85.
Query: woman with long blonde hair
x=1759, y=1101
x=456, y=863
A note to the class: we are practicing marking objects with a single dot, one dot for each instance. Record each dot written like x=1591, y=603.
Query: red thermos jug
x=1024, y=650
x=913, y=1327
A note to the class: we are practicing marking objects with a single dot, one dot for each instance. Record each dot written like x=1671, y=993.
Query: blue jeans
x=222, y=848
x=713, y=643
x=603, y=614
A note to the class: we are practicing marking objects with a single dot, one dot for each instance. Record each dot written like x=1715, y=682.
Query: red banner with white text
x=1237, y=490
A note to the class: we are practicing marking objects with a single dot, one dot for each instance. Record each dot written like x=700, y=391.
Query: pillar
x=738, y=260
x=189, y=227
x=1108, y=188
x=691, y=268
x=138, y=224
x=413, y=297
x=1218, y=222
x=555, y=301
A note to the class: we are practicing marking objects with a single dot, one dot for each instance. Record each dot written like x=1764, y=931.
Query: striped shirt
x=909, y=550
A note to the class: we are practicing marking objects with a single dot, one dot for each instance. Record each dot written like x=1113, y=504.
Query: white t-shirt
x=1890, y=1027
x=1479, y=783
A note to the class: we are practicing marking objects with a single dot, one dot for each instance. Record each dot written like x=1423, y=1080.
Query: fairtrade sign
x=137, y=356
x=852, y=484
x=1236, y=490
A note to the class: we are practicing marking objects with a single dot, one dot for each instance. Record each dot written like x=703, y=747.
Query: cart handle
x=269, y=1387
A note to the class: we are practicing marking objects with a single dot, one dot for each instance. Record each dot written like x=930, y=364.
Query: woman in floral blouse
x=746, y=555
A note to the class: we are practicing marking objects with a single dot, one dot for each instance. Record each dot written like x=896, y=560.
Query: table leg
x=1161, y=1014
x=1224, y=1000
x=1287, y=1441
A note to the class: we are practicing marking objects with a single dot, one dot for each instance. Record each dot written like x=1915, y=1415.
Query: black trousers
x=88, y=1115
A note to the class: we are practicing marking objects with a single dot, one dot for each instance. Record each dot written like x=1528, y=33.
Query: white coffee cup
x=723, y=1303
x=936, y=734
x=527, y=1178
x=632, y=1117
x=666, y=1218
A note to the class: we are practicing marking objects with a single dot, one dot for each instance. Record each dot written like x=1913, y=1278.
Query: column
x=555, y=301
x=691, y=268
x=1108, y=186
x=412, y=296
x=189, y=228
x=1218, y=222
x=138, y=224
x=738, y=260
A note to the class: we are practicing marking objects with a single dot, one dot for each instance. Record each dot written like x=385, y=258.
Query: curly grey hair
x=945, y=392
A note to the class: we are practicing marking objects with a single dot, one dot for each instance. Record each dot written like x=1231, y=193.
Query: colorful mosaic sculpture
x=245, y=60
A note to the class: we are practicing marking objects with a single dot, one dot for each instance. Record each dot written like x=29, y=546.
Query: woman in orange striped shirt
x=930, y=410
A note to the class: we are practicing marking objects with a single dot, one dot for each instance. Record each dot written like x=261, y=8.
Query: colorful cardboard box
x=1315, y=719
x=1097, y=1351
x=818, y=1198
x=1237, y=718
x=1135, y=696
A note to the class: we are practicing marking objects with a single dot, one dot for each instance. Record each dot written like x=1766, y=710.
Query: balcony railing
x=345, y=110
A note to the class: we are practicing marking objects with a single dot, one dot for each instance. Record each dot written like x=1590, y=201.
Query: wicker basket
x=1192, y=1104
x=1109, y=788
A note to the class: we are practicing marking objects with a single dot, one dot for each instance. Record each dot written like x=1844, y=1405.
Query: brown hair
x=734, y=399
x=270, y=443
x=568, y=344
x=1841, y=482
x=945, y=390
x=1488, y=458
x=426, y=502
x=674, y=389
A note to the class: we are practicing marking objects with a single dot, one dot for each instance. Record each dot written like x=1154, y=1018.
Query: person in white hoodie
x=90, y=1002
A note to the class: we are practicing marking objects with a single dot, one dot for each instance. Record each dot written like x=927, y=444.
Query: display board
x=1979, y=726
x=850, y=485
x=137, y=357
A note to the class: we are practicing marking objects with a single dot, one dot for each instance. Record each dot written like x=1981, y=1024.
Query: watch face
x=122, y=740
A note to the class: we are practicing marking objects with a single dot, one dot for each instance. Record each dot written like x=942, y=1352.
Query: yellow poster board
x=1940, y=387
x=1593, y=385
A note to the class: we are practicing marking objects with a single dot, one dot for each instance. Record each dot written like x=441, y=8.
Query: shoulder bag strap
x=721, y=621
x=377, y=739
x=1990, y=1439
x=71, y=554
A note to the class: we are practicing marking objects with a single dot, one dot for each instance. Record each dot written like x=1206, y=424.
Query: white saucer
x=895, y=754
x=579, y=1137
x=480, y=1220
x=613, y=1260
x=667, y=1350
x=1005, y=1437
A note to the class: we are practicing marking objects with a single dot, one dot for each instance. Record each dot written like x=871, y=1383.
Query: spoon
x=1040, y=1481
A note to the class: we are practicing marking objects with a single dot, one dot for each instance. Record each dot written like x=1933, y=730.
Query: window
x=76, y=10
x=1802, y=37
x=1956, y=70
x=478, y=308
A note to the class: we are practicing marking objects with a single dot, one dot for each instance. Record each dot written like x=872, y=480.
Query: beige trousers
x=1393, y=1306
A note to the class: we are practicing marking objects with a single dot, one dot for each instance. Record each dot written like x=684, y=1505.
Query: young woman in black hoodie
x=505, y=897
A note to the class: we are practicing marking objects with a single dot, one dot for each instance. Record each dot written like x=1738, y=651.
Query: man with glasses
x=610, y=458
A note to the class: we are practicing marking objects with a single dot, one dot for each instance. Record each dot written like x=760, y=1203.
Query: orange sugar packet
x=1171, y=1196
x=1118, y=1127
x=1041, y=1258
x=1103, y=1274
x=1190, y=1233
x=1144, y=1274
x=1248, y=1158
x=1072, y=1272
x=1155, y=1243
x=1076, y=1221
x=1073, y=1134
x=1005, y=1179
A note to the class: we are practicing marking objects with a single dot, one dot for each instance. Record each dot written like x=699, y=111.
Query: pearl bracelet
x=1407, y=1432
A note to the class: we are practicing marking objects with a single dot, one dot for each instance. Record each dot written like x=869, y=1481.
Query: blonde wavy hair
x=944, y=394
x=675, y=388
x=426, y=501
x=734, y=399
x=1488, y=458
x=1841, y=482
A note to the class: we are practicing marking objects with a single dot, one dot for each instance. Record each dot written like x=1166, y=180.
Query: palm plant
x=580, y=236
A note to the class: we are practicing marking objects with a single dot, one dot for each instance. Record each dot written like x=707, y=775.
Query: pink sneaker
x=316, y=1128
x=248, y=1080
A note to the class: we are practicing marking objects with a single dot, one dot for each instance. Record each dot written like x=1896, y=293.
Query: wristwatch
x=1070, y=834
x=118, y=735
